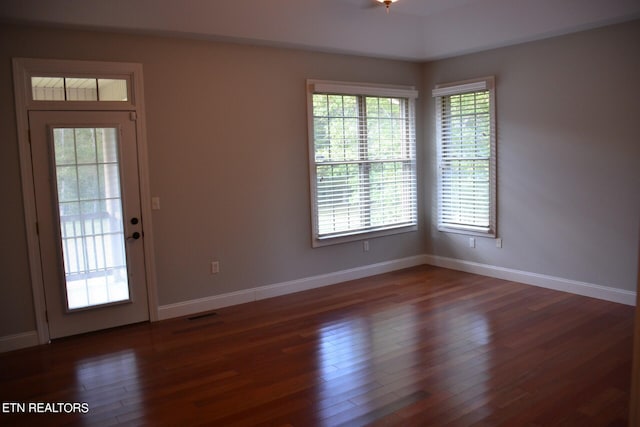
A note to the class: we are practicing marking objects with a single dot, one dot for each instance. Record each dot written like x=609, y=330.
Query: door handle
x=134, y=236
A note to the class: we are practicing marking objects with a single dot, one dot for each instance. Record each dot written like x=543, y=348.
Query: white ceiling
x=413, y=29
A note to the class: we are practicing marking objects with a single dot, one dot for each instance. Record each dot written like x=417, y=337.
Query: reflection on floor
x=422, y=346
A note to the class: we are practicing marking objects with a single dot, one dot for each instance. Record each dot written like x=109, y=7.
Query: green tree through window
x=363, y=164
x=466, y=157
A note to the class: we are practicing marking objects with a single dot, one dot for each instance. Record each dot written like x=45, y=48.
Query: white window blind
x=466, y=156
x=362, y=160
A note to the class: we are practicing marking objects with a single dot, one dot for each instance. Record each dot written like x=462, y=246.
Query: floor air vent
x=202, y=316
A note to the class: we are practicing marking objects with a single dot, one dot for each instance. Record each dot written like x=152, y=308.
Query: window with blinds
x=362, y=161
x=466, y=157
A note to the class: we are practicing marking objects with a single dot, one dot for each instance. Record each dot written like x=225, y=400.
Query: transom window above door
x=54, y=88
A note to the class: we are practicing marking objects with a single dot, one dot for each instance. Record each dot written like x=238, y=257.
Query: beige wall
x=227, y=136
x=568, y=156
x=227, y=139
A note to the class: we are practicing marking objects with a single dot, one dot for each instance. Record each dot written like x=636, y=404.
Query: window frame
x=361, y=90
x=131, y=72
x=484, y=84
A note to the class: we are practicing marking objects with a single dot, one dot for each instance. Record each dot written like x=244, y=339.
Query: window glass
x=78, y=89
x=466, y=157
x=364, y=164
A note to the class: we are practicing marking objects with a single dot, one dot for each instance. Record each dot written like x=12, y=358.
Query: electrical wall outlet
x=365, y=246
x=215, y=267
x=472, y=242
x=498, y=242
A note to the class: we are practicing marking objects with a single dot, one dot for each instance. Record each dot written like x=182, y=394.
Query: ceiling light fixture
x=387, y=3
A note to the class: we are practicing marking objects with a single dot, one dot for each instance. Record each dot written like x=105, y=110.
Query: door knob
x=134, y=221
x=134, y=236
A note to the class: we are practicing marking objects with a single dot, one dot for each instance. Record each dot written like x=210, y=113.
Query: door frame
x=23, y=70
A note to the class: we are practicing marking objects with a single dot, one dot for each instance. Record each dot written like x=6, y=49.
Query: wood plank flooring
x=424, y=346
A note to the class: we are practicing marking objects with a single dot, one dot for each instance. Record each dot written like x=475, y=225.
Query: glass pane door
x=87, y=179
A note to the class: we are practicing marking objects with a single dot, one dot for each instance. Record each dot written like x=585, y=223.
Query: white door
x=89, y=225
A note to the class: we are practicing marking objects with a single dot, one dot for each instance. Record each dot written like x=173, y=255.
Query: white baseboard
x=200, y=305
x=30, y=339
x=18, y=341
x=528, y=278
x=262, y=292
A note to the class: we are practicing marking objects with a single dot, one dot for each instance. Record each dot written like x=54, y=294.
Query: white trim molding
x=535, y=279
x=18, y=341
x=370, y=89
x=269, y=291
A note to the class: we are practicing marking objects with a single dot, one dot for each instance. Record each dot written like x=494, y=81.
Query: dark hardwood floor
x=420, y=347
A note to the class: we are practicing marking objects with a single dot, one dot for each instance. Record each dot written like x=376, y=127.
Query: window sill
x=345, y=238
x=469, y=231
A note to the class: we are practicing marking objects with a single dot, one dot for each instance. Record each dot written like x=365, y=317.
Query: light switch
x=155, y=203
